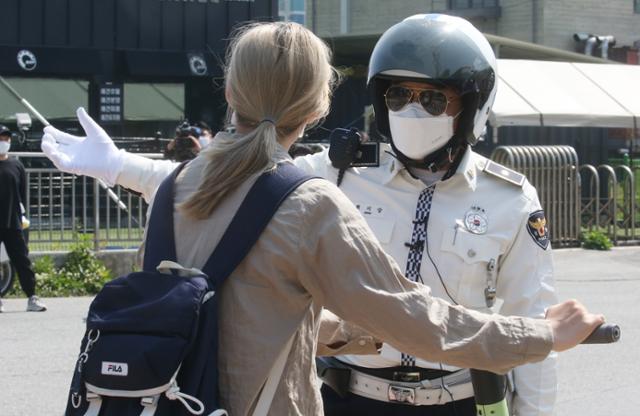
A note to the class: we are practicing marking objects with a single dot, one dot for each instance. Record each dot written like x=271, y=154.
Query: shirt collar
x=281, y=154
x=467, y=170
x=390, y=166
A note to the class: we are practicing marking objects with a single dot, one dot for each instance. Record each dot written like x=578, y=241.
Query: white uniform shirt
x=387, y=197
x=458, y=258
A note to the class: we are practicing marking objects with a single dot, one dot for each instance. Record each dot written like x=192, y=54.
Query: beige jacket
x=317, y=252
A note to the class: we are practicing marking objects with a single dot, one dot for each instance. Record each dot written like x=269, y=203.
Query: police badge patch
x=537, y=227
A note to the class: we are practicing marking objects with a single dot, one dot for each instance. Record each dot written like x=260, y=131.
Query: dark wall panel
x=217, y=27
x=103, y=24
x=195, y=26
x=126, y=24
x=172, y=21
x=238, y=13
x=262, y=10
x=106, y=28
x=80, y=21
x=55, y=23
x=9, y=21
x=347, y=107
x=150, y=24
x=31, y=22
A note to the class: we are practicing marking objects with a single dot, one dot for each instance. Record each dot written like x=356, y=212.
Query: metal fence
x=577, y=198
x=610, y=201
x=65, y=208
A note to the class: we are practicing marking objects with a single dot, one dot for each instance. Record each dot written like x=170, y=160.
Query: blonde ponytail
x=277, y=77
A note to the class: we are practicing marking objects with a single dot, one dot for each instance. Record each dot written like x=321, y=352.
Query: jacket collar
x=467, y=170
x=281, y=154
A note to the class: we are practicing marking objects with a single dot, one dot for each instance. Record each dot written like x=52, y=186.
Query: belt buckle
x=401, y=394
x=406, y=376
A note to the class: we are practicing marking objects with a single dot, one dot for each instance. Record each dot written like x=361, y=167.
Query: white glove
x=94, y=155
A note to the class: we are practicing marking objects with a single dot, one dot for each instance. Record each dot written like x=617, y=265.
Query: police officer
x=467, y=227
x=470, y=229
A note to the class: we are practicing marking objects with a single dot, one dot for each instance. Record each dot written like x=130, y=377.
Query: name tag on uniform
x=371, y=210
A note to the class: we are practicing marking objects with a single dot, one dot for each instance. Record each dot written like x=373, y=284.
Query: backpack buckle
x=76, y=400
x=150, y=401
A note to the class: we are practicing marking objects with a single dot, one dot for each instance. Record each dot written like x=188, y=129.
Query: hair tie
x=268, y=120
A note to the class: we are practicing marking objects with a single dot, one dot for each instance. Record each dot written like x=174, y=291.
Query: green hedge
x=596, y=240
x=81, y=274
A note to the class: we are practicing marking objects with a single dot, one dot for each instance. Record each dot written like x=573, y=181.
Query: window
x=291, y=11
x=636, y=6
x=297, y=17
x=460, y=4
x=475, y=4
x=297, y=5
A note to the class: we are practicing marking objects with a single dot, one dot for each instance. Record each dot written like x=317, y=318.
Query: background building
x=139, y=66
x=551, y=23
x=561, y=30
x=292, y=11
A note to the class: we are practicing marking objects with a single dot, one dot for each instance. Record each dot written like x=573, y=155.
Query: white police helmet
x=444, y=50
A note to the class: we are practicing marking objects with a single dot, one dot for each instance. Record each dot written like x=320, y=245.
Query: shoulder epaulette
x=504, y=173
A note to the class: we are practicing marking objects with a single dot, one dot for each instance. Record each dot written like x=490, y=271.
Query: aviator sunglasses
x=433, y=101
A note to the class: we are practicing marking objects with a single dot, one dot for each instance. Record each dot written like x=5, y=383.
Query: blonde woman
x=317, y=252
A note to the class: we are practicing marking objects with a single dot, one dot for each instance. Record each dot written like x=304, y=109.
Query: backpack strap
x=160, y=241
x=273, y=379
x=255, y=212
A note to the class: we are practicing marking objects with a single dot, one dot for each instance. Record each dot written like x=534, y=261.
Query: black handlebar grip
x=488, y=388
x=604, y=334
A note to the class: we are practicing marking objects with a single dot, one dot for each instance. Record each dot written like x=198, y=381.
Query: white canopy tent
x=565, y=94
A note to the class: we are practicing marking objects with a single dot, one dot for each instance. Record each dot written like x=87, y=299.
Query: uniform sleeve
x=344, y=268
x=314, y=164
x=144, y=175
x=527, y=286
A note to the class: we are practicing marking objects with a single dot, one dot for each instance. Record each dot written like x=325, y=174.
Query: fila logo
x=114, y=369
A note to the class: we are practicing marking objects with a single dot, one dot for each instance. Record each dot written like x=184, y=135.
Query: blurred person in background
x=206, y=134
x=187, y=143
x=13, y=194
x=303, y=149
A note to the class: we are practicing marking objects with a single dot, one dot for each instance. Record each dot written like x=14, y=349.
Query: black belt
x=402, y=373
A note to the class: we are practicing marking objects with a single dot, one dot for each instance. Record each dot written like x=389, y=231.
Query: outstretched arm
x=97, y=156
x=343, y=268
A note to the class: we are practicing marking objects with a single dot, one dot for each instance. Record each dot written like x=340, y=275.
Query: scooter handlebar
x=604, y=334
x=489, y=388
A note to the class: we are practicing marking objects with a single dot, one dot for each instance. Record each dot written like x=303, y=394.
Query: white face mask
x=204, y=141
x=417, y=133
x=4, y=147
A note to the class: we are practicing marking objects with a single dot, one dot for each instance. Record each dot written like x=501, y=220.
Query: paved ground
x=602, y=379
x=38, y=350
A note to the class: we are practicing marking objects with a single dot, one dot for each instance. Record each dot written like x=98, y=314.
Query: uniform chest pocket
x=474, y=262
x=471, y=248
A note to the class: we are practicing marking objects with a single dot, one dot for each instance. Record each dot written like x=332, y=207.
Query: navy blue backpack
x=151, y=343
